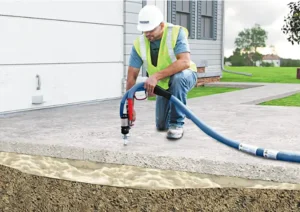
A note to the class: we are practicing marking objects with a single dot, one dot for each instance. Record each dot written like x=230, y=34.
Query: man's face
x=155, y=34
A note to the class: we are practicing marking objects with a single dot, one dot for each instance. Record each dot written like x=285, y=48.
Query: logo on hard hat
x=144, y=22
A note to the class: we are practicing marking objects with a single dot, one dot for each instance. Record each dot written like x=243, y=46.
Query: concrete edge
x=275, y=173
x=243, y=86
x=258, y=101
x=48, y=150
x=72, y=104
x=202, y=166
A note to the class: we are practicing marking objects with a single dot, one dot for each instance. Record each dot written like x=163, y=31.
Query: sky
x=241, y=14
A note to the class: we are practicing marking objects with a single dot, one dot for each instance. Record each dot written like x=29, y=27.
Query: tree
x=257, y=56
x=250, y=39
x=292, y=23
x=237, y=59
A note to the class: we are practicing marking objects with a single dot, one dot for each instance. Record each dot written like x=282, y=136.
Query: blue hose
x=250, y=149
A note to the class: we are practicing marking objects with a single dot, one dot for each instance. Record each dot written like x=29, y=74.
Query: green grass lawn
x=205, y=91
x=269, y=75
x=262, y=74
x=259, y=74
x=293, y=100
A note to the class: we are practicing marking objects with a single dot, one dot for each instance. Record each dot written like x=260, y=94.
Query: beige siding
x=132, y=8
x=64, y=44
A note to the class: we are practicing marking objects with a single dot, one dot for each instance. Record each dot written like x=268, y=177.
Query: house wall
x=275, y=62
x=68, y=45
x=132, y=8
x=209, y=52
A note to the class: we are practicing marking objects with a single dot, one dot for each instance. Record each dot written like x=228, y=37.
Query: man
x=163, y=51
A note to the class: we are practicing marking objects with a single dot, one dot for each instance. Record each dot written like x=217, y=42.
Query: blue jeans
x=179, y=85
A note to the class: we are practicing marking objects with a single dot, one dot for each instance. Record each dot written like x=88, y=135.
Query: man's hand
x=150, y=84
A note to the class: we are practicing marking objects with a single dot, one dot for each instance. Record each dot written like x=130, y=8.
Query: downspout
x=222, y=43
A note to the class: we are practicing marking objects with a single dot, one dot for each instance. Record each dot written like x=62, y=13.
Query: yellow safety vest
x=166, y=55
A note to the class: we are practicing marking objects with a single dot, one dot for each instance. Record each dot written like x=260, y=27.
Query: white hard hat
x=149, y=17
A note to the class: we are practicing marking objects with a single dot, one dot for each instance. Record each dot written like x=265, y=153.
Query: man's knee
x=184, y=78
x=177, y=78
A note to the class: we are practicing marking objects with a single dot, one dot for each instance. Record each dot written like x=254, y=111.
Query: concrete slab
x=92, y=132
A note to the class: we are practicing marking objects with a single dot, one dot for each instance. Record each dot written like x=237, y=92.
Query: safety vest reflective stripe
x=143, y=55
x=169, y=43
x=166, y=54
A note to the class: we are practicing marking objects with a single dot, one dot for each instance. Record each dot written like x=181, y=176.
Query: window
x=183, y=13
x=207, y=19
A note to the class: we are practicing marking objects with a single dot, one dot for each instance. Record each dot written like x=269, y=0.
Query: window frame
x=195, y=18
x=172, y=12
x=213, y=17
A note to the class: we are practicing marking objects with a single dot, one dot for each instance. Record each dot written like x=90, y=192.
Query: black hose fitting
x=162, y=92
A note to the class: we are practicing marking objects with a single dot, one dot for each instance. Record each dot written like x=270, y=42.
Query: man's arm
x=135, y=63
x=182, y=52
x=132, y=75
x=182, y=63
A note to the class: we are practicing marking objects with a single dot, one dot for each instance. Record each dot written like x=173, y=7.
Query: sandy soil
x=21, y=191
x=127, y=176
x=24, y=192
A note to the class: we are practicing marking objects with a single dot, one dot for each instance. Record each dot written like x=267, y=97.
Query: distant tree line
x=249, y=40
x=238, y=59
x=289, y=63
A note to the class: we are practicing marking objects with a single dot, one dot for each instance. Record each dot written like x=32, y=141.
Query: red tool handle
x=130, y=109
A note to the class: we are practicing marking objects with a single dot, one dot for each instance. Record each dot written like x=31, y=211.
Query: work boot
x=175, y=132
